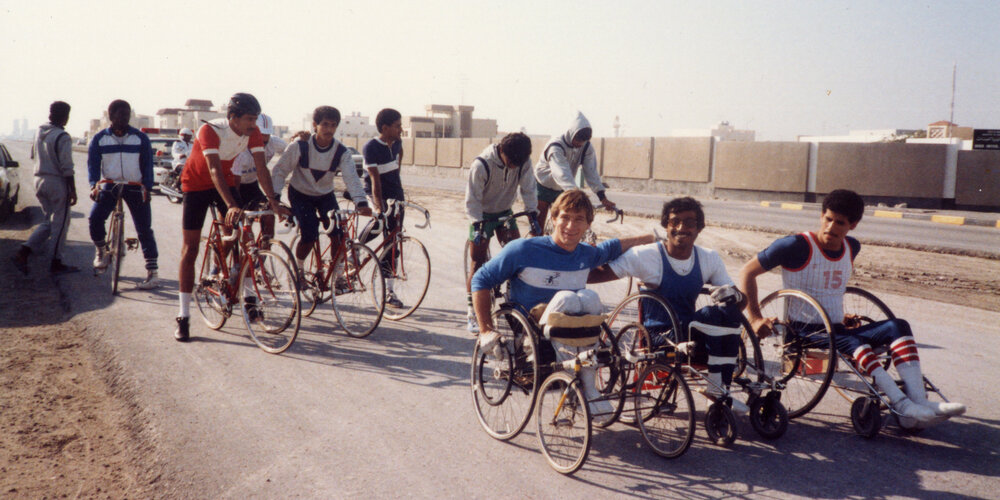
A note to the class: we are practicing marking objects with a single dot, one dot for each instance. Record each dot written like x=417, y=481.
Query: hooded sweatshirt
x=54, y=150
x=492, y=186
x=559, y=161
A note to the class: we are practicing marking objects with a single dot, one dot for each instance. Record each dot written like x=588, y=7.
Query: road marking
x=887, y=213
x=768, y=204
x=792, y=206
x=948, y=219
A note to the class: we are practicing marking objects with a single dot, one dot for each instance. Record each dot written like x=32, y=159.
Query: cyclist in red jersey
x=208, y=180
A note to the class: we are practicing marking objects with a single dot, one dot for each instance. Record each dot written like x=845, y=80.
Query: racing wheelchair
x=527, y=376
x=802, y=358
x=644, y=324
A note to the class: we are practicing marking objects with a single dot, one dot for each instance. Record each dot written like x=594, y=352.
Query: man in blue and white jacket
x=121, y=153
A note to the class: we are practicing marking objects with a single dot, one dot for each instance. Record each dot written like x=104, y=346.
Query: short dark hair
x=386, y=117
x=59, y=112
x=326, y=113
x=516, y=147
x=845, y=202
x=683, y=204
x=118, y=103
x=584, y=134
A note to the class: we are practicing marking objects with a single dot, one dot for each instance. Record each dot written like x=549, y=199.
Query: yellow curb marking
x=948, y=219
x=767, y=204
x=791, y=206
x=886, y=213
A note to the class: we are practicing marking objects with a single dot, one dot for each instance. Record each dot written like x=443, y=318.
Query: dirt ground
x=67, y=429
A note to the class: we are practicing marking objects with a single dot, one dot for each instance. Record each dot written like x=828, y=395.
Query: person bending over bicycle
x=383, y=156
x=551, y=269
x=676, y=269
x=251, y=196
x=814, y=263
x=313, y=160
x=208, y=180
x=122, y=154
x=495, y=177
x=562, y=157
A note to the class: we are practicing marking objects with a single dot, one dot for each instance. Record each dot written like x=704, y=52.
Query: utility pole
x=951, y=118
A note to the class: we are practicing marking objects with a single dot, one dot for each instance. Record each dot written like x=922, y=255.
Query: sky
x=782, y=69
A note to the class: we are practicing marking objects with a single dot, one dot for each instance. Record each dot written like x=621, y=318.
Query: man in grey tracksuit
x=495, y=177
x=55, y=189
x=562, y=157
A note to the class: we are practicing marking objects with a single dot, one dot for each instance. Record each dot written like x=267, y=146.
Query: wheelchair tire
x=768, y=416
x=720, y=424
x=503, y=391
x=866, y=308
x=563, y=419
x=866, y=416
x=609, y=376
x=664, y=410
x=800, y=357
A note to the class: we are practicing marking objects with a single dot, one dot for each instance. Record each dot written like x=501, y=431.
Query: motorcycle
x=169, y=181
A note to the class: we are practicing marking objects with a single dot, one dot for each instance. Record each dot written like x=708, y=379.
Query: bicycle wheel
x=409, y=270
x=800, y=357
x=503, y=390
x=116, y=245
x=359, y=292
x=269, y=301
x=631, y=322
x=211, y=291
x=664, y=410
x=563, y=421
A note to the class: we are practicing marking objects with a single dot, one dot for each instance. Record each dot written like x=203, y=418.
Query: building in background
x=443, y=120
x=722, y=132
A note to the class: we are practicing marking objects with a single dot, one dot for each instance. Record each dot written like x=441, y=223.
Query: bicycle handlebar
x=502, y=220
x=619, y=216
x=427, y=215
x=115, y=184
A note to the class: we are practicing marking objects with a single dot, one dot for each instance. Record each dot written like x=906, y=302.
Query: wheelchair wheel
x=628, y=323
x=563, y=420
x=664, y=409
x=503, y=390
x=862, y=308
x=768, y=416
x=866, y=417
x=720, y=424
x=609, y=378
x=800, y=356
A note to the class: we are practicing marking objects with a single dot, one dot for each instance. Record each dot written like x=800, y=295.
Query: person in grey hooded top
x=495, y=177
x=561, y=159
x=55, y=189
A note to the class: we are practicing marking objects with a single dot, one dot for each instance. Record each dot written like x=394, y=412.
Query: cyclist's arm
x=376, y=180
x=632, y=241
x=350, y=175
x=481, y=304
x=94, y=161
x=601, y=274
x=474, y=191
x=146, y=162
x=747, y=283
x=286, y=162
x=589, y=165
x=266, y=184
x=529, y=190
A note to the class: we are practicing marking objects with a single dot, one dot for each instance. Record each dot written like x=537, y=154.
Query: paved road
x=391, y=415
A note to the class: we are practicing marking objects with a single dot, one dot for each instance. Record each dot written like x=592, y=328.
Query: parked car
x=162, y=157
x=359, y=162
x=10, y=183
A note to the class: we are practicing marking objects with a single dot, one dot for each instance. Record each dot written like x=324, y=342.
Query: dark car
x=10, y=183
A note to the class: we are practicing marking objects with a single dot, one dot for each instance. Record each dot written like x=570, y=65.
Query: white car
x=10, y=183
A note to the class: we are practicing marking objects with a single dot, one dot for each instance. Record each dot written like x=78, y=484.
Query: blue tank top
x=681, y=292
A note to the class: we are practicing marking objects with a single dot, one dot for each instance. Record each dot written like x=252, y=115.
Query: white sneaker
x=151, y=281
x=944, y=409
x=101, y=257
x=473, y=325
x=909, y=410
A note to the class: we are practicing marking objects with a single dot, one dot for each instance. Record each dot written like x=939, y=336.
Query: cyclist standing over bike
x=383, y=156
x=121, y=154
x=208, y=180
x=562, y=157
x=495, y=177
x=180, y=150
x=313, y=161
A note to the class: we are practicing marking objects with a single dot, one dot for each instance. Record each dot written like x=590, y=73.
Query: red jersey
x=217, y=138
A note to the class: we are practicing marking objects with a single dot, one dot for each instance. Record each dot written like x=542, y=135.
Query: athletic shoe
x=910, y=411
x=151, y=281
x=101, y=257
x=182, y=333
x=392, y=301
x=473, y=325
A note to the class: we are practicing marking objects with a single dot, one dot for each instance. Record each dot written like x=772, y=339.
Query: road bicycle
x=348, y=276
x=257, y=280
x=115, y=243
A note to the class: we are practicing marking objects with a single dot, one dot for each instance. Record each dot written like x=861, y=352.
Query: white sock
x=301, y=262
x=185, y=301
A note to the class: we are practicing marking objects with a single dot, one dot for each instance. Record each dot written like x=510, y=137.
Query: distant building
x=946, y=129
x=355, y=125
x=137, y=121
x=444, y=120
x=873, y=135
x=190, y=116
x=723, y=132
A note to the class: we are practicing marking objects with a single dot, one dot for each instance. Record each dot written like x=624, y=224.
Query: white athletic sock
x=185, y=300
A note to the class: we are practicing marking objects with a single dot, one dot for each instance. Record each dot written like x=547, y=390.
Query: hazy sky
x=780, y=68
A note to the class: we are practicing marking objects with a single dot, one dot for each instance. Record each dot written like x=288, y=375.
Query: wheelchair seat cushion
x=575, y=331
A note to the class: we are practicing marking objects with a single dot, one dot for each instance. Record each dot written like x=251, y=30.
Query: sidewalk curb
x=956, y=220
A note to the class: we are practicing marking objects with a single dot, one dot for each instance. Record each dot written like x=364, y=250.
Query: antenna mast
x=951, y=119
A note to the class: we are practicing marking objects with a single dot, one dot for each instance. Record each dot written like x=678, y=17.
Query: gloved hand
x=536, y=228
x=726, y=294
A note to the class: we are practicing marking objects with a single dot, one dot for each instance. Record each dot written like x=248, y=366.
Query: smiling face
x=569, y=227
x=682, y=231
x=833, y=230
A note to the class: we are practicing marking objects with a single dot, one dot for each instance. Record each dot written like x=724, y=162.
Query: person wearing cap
x=121, y=154
x=562, y=157
x=55, y=189
x=251, y=196
x=208, y=180
x=180, y=150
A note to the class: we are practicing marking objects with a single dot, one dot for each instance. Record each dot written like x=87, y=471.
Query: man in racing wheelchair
x=820, y=264
x=550, y=270
x=677, y=270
